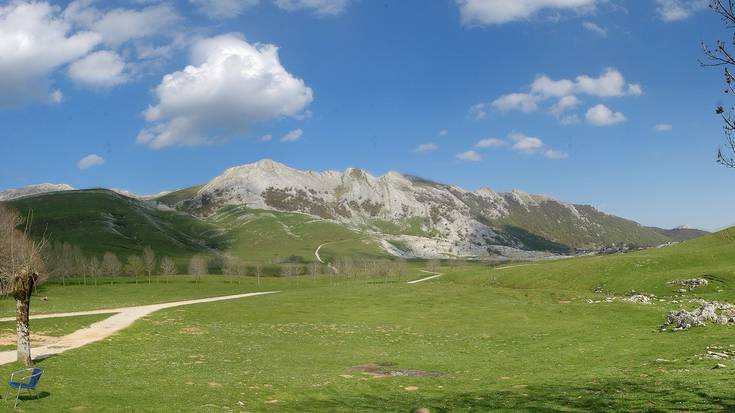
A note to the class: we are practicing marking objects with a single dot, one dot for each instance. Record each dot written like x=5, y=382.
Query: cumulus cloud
x=674, y=10
x=293, y=136
x=472, y=156
x=516, y=101
x=35, y=41
x=479, y=110
x=490, y=143
x=526, y=144
x=426, y=147
x=495, y=12
x=663, y=127
x=265, y=138
x=565, y=103
x=222, y=9
x=610, y=83
x=595, y=28
x=120, y=25
x=601, y=115
x=532, y=145
x=318, y=7
x=229, y=85
x=555, y=154
x=90, y=161
x=101, y=69
x=443, y=132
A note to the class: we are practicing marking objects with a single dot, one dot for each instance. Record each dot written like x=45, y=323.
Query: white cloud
x=293, y=136
x=99, y=70
x=472, y=156
x=674, y=10
x=555, y=154
x=565, y=104
x=426, y=147
x=56, y=96
x=265, y=138
x=479, y=110
x=601, y=115
x=318, y=7
x=90, y=161
x=488, y=12
x=663, y=127
x=517, y=101
x=490, y=143
x=526, y=144
x=118, y=26
x=608, y=84
x=223, y=9
x=229, y=85
x=595, y=28
x=35, y=41
x=547, y=87
x=443, y=132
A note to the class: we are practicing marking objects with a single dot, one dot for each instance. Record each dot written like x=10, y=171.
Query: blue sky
x=366, y=83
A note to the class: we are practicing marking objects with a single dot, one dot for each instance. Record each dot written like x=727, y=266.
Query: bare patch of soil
x=379, y=370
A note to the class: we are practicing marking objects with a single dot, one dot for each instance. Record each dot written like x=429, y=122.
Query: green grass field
x=486, y=339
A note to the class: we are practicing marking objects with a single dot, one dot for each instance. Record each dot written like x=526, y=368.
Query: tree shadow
x=608, y=396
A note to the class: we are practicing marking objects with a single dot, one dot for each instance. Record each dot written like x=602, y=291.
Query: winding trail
x=435, y=275
x=329, y=264
x=123, y=318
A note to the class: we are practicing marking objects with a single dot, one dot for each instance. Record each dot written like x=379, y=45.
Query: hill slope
x=99, y=220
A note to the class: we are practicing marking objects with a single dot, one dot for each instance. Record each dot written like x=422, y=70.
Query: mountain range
x=402, y=214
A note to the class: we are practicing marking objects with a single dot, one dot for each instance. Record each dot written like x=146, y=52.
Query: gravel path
x=123, y=318
x=435, y=275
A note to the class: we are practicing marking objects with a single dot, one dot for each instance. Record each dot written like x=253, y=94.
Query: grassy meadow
x=516, y=337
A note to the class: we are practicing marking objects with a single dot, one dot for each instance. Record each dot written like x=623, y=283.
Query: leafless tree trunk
x=149, y=261
x=21, y=267
x=168, y=267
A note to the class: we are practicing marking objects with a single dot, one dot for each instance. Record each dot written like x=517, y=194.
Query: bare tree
x=720, y=55
x=21, y=268
x=232, y=266
x=111, y=266
x=198, y=267
x=135, y=267
x=94, y=268
x=168, y=267
x=149, y=261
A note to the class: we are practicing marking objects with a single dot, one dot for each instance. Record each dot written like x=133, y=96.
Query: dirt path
x=512, y=266
x=435, y=275
x=329, y=264
x=123, y=318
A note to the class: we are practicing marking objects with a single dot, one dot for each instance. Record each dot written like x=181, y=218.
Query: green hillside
x=99, y=220
x=711, y=257
x=272, y=236
x=173, y=198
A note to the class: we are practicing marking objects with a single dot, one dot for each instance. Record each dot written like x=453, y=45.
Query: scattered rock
x=713, y=311
x=690, y=283
x=639, y=299
x=410, y=388
x=719, y=366
x=660, y=360
x=422, y=410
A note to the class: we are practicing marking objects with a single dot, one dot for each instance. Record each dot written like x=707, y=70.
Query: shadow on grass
x=610, y=396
